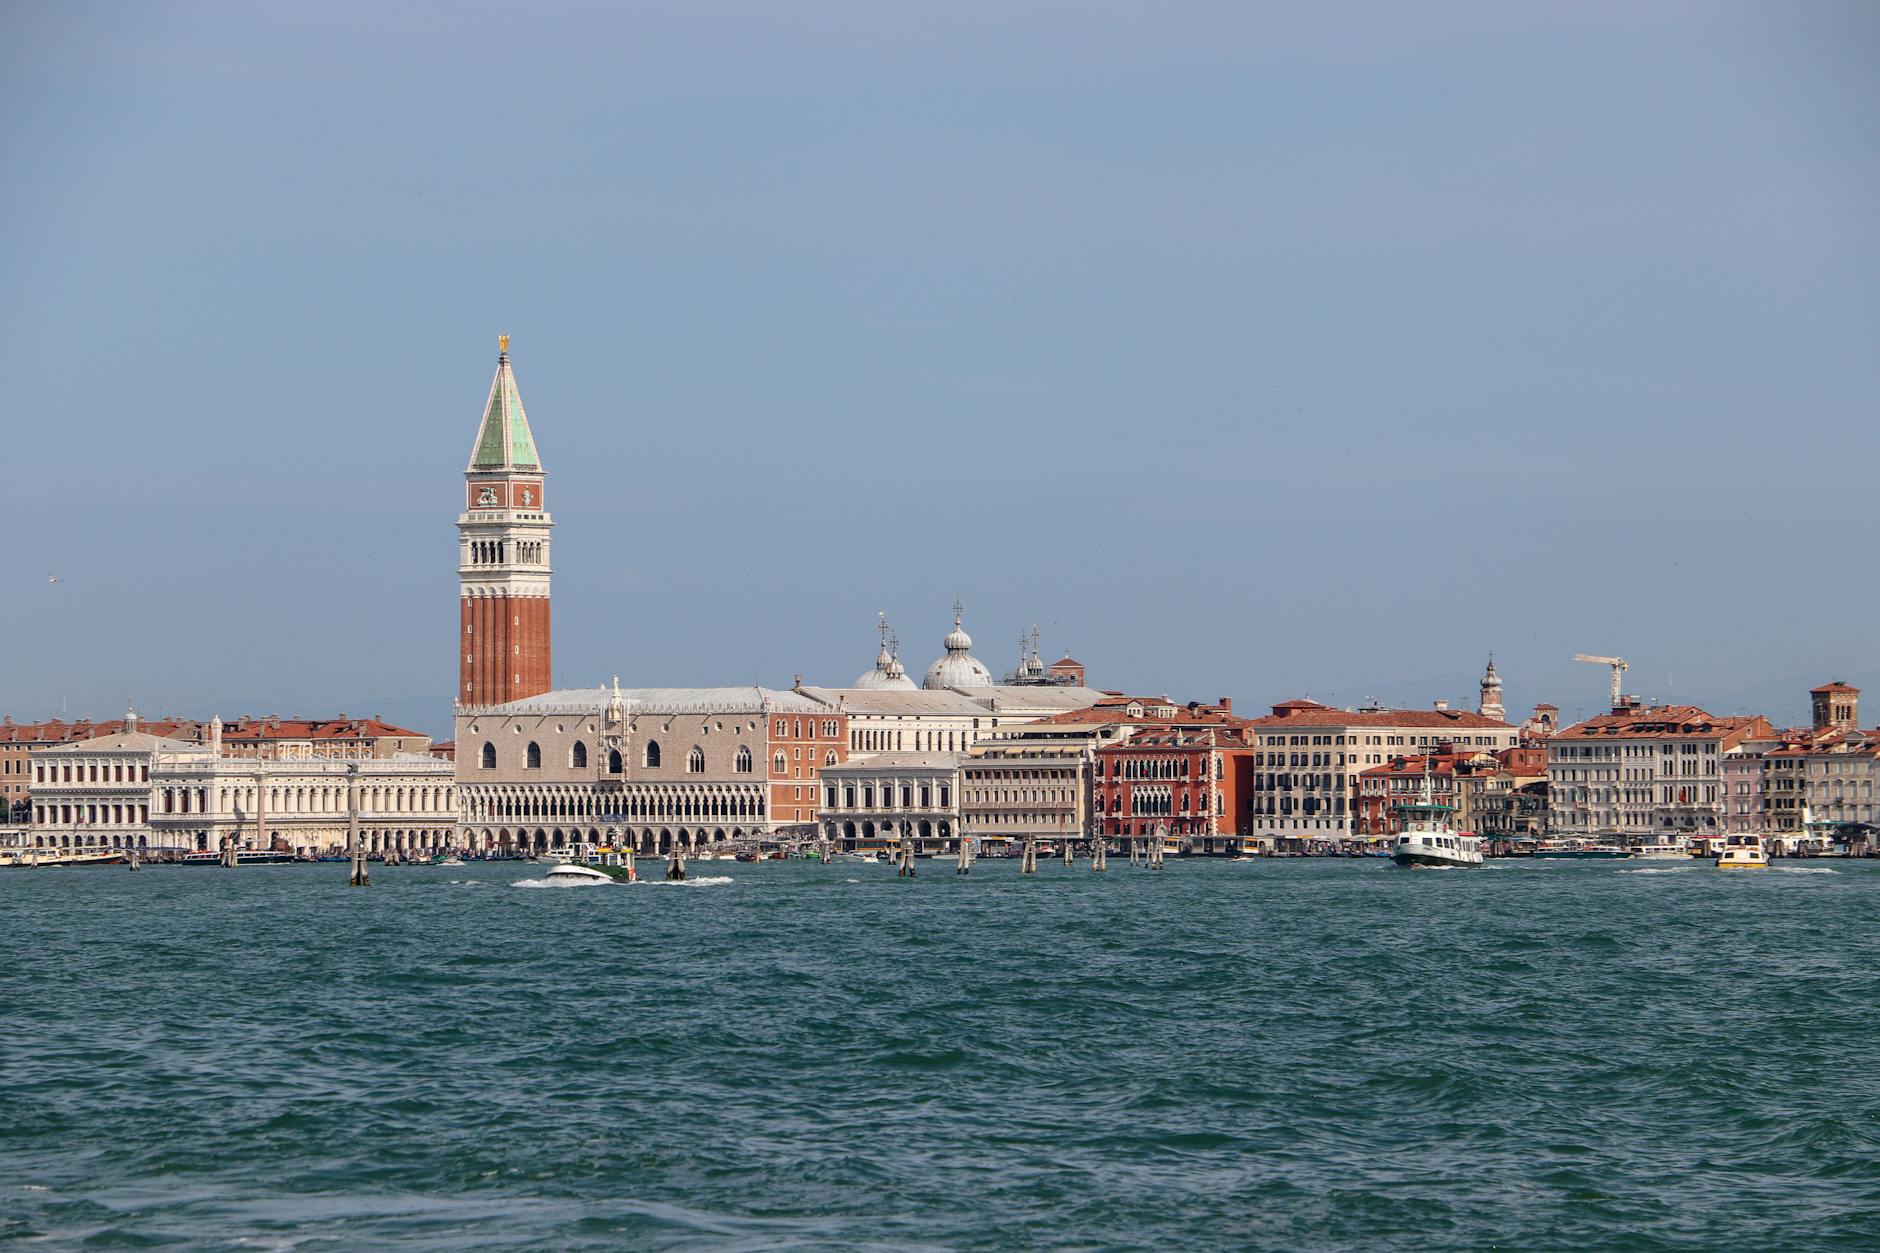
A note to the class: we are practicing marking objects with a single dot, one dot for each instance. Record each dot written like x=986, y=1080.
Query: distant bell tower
x=502, y=560
x=1490, y=704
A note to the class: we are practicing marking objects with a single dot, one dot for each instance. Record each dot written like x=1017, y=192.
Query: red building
x=503, y=559
x=1192, y=782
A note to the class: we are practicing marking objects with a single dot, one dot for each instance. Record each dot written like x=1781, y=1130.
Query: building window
x=534, y=759
x=577, y=756
x=744, y=759
x=652, y=754
x=829, y=758
x=489, y=756
x=695, y=761
x=779, y=763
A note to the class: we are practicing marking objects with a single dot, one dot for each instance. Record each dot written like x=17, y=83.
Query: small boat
x=1574, y=850
x=1428, y=839
x=1743, y=852
x=448, y=861
x=50, y=859
x=572, y=873
x=1663, y=850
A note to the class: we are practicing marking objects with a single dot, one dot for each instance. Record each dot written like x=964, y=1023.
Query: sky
x=1250, y=350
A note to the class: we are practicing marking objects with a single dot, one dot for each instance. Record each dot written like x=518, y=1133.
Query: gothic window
x=780, y=763
x=744, y=759
x=652, y=754
x=534, y=759
x=829, y=758
x=577, y=757
x=695, y=761
x=489, y=756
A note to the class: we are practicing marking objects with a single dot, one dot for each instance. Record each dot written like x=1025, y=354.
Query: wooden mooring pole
x=1028, y=859
x=355, y=847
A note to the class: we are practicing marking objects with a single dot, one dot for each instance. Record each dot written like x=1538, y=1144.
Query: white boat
x=1743, y=852
x=1664, y=850
x=448, y=861
x=570, y=873
x=1428, y=839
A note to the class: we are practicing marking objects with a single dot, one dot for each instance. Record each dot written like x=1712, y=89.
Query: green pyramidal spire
x=504, y=442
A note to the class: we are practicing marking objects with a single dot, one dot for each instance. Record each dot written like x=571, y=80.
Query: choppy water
x=1277, y=1055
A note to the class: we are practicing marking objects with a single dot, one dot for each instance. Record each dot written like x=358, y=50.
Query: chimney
x=1442, y=705
x=1227, y=704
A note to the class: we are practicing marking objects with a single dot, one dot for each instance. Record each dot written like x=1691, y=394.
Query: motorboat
x=572, y=873
x=50, y=859
x=1427, y=838
x=1663, y=850
x=1576, y=850
x=1743, y=852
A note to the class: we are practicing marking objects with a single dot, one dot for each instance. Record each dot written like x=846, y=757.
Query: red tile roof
x=1664, y=720
x=58, y=731
x=245, y=729
x=1306, y=713
x=1836, y=686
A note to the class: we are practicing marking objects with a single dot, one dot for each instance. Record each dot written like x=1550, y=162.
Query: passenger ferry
x=1743, y=852
x=1428, y=839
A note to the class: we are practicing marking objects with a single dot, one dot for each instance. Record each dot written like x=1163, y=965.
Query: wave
x=1806, y=869
x=702, y=881
x=560, y=883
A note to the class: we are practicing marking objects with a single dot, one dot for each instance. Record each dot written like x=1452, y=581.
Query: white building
x=95, y=794
x=1644, y=771
x=405, y=803
x=890, y=795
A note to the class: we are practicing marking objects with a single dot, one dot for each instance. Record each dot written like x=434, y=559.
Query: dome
x=887, y=674
x=958, y=668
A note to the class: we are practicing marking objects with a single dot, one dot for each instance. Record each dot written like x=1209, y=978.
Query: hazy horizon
x=1267, y=352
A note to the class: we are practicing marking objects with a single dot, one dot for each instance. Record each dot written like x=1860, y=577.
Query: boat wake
x=561, y=883
x=703, y=881
x=1806, y=869
x=1659, y=870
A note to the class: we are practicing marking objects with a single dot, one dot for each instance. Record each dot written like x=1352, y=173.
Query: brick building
x=1195, y=784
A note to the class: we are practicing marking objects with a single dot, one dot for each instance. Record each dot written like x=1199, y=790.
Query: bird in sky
x=53, y=578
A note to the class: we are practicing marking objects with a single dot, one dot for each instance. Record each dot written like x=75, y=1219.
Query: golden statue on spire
x=502, y=344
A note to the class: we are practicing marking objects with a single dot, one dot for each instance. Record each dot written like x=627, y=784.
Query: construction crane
x=1618, y=668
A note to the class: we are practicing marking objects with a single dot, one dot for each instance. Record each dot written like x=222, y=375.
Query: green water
x=1277, y=1055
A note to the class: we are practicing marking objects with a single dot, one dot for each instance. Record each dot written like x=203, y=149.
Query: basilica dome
x=887, y=675
x=958, y=668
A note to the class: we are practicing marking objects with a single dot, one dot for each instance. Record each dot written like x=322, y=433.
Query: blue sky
x=1258, y=350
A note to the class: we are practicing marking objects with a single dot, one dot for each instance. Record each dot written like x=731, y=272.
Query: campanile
x=502, y=560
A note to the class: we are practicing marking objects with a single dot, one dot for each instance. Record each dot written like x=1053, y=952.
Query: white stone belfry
x=1490, y=704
